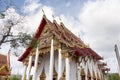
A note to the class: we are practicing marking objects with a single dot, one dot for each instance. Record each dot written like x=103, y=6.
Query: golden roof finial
x=53, y=17
x=43, y=12
x=88, y=45
x=61, y=23
x=60, y=19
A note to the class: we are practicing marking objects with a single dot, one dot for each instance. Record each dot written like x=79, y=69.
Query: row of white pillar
x=92, y=67
x=51, y=65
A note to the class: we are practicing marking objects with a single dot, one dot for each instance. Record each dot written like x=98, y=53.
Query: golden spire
x=61, y=23
x=53, y=18
x=88, y=45
x=43, y=12
x=43, y=75
x=60, y=19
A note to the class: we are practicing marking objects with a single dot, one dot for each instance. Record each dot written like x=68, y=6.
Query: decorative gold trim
x=43, y=12
x=43, y=75
x=65, y=55
x=63, y=75
x=82, y=71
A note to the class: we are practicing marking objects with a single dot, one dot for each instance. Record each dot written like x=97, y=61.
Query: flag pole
x=118, y=58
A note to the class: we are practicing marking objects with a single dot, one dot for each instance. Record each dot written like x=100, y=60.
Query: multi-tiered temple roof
x=64, y=36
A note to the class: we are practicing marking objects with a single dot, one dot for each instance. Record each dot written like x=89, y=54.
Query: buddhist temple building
x=56, y=53
x=4, y=68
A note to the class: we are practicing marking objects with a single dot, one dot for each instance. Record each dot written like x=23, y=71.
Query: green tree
x=15, y=77
x=113, y=76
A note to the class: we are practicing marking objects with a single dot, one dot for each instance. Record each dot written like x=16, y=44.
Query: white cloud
x=72, y=24
x=34, y=16
x=100, y=21
x=30, y=6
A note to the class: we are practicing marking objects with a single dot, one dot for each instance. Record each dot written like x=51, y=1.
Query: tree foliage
x=15, y=77
x=113, y=76
x=12, y=29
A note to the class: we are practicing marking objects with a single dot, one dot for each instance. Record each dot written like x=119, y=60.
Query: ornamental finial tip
x=60, y=19
x=43, y=12
x=53, y=17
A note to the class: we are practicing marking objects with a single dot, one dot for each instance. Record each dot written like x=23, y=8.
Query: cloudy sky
x=96, y=22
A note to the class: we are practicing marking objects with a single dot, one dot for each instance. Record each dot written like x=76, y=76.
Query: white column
x=29, y=67
x=67, y=68
x=36, y=64
x=59, y=64
x=86, y=71
x=51, y=61
x=24, y=75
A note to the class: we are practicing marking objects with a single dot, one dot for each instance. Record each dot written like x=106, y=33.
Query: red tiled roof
x=65, y=35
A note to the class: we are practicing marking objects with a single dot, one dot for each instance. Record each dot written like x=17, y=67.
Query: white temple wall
x=45, y=62
x=56, y=61
x=47, y=65
x=86, y=70
x=73, y=69
x=90, y=66
x=42, y=61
